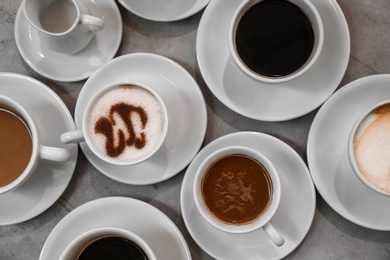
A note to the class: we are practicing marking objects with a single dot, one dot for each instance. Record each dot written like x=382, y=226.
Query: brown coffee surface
x=15, y=147
x=237, y=189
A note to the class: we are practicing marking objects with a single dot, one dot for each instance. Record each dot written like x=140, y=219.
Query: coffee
x=111, y=247
x=126, y=123
x=372, y=147
x=59, y=16
x=15, y=146
x=237, y=189
x=274, y=38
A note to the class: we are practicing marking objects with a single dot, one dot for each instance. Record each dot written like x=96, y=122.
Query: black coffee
x=111, y=247
x=274, y=38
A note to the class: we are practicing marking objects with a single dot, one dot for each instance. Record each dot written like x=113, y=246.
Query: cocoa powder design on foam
x=105, y=126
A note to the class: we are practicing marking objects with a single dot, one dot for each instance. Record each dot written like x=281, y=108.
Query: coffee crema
x=372, y=147
x=111, y=247
x=126, y=122
x=236, y=189
x=274, y=38
x=15, y=146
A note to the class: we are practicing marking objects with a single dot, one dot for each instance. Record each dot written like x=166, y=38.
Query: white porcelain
x=71, y=67
x=292, y=219
x=50, y=179
x=164, y=11
x=271, y=102
x=79, y=242
x=309, y=9
x=362, y=120
x=81, y=134
x=186, y=112
x=264, y=220
x=148, y=222
x=80, y=32
x=39, y=150
x=328, y=159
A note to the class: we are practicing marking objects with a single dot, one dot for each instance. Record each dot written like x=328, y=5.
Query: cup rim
x=351, y=148
x=140, y=159
x=28, y=171
x=41, y=29
x=80, y=241
x=318, y=29
x=261, y=220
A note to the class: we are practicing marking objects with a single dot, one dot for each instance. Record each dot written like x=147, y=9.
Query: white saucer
x=50, y=179
x=292, y=219
x=270, y=102
x=146, y=221
x=75, y=67
x=186, y=112
x=327, y=153
x=164, y=11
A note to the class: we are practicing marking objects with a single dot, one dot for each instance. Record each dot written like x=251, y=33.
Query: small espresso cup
x=21, y=146
x=238, y=190
x=103, y=241
x=275, y=41
x=123, y=124
x=369, y=148
x=64, y=26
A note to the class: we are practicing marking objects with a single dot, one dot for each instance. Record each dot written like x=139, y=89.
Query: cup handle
x=96, y=23
x=72, y=137
x=273, y=234
x=54, y=154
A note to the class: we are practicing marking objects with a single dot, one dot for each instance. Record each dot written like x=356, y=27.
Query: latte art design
x=126, y=123
x=116, y=142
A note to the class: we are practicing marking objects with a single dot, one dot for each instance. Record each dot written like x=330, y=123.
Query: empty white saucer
x=78, y=66
x=50, y=179
x=186, y=112
x=164, y=11
x=270, y=102
x=292, y=219
x=327, y=153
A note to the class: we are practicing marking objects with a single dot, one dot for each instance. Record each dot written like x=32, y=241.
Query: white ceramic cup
x=381, y=149
x=78, y=243
x=82, y=134
x=64, y=26
x=311, y=12
x=262, y=221
x=39, y=151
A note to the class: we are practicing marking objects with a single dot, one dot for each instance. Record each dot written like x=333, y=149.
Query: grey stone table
x=330, y=236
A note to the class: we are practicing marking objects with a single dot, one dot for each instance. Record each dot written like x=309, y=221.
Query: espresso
x=15, y=146
x=111, y=247
x=274, y=38
x=237, y=189
x=372, y=147
x=125, y=123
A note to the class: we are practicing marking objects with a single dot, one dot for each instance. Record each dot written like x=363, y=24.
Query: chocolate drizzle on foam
x=105, y=126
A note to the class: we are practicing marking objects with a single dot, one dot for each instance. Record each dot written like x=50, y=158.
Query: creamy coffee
x=372, y=147
x=15, y=146
x=59, y=16
x=125, y=123
x=237, y=189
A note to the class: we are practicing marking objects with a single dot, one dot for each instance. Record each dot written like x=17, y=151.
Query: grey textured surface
x=330, y=237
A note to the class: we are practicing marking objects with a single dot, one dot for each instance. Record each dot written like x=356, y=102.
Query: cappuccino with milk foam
x=372, y=147
x=125, y=123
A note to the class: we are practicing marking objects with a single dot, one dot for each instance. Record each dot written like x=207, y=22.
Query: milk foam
x=135, y=96
x=372, y=148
